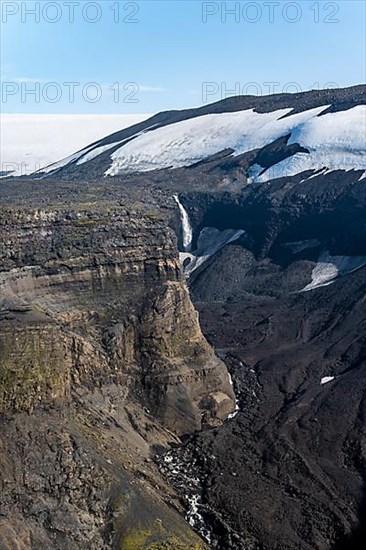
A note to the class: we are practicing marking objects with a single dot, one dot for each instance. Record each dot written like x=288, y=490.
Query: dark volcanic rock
x=296, y=447
x=288, y=471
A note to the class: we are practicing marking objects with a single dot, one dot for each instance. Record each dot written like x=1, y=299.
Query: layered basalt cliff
x=97, y=296
x=101, y=360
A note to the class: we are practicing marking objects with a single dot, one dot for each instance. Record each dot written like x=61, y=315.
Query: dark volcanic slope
x=289, y=470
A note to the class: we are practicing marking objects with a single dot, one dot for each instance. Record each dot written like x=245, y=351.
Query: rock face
x=97, y=296
x=194, y=392
x=101, y=358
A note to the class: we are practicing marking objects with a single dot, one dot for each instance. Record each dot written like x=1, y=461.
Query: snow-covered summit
x=323, y=130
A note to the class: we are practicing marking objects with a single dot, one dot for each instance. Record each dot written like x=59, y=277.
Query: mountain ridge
x=97, y=155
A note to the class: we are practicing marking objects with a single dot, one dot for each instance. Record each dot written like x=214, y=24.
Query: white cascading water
x=186, y=226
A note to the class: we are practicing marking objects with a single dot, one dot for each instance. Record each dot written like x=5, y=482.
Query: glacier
x=335, y=141
x=30, y=142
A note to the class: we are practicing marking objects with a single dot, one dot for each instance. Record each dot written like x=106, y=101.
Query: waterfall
x=186, y=226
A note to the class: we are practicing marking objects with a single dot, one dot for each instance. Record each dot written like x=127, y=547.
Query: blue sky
x=148, y=56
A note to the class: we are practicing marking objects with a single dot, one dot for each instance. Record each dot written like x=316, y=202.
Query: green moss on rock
x=34, y=367
x=157, y=537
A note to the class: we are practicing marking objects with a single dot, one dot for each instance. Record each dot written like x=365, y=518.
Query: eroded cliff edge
x=102, y=361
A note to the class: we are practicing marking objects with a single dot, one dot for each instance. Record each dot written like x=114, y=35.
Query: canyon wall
x=102, y=362
x=90, y=297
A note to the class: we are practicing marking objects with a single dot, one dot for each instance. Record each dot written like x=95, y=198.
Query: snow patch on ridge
x=64, y=162
x=254, y=172
x=336, y=141
x=96, y=152
x=210, y=241
x=189, y=141
x=326, y=379
x=89, y=153
x=329, y=268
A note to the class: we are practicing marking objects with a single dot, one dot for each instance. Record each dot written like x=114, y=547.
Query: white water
x=237, y=408
x=184, y=473
x=186, y=226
